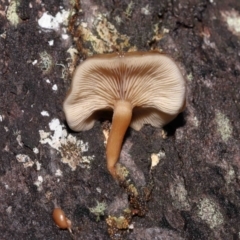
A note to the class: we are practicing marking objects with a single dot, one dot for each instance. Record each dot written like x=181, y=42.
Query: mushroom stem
x=122, y=116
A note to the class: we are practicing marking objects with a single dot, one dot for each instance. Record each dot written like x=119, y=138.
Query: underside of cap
x=156, y=118
x=150, y=81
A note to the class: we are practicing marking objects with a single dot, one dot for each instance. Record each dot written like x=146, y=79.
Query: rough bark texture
x=196, y=192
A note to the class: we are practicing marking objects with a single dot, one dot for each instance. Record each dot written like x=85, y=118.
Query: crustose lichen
x=12, y=16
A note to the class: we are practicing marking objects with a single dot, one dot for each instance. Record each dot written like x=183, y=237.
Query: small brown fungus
x=61, y=220
x=139, y=87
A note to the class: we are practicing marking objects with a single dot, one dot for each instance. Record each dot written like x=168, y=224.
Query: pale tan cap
x=150, y=81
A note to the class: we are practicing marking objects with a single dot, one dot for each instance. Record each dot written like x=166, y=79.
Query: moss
x=116, y=225
x=98, y=210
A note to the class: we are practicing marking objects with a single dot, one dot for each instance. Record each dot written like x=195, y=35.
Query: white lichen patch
x=65, y=36
x=3, y=35
x=12, y=16
x=67, y=145
x=195, y=121
x=38, y=165
x=232, y=18
x=44, y=113
x=25, y=159
x=2, y=117
x=224, y=126
x=62, y=17
x=73, y=53
x=19, y=140
x=179, y=194
x=156, y=157
x=35, y=62
x=107, y=36
x=43, y=134
x=28, y=164
x=209, y=212
x=22, y=158
x=39, y=183
x=99, y=190
x=154, y=160
x=49, y=22
x=55, y=87
x=51, y=42
x=146, y=10
x=98, y=210
x=58, y=173
x=163, y=134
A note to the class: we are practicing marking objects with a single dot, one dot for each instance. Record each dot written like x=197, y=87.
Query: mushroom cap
x=150, y=81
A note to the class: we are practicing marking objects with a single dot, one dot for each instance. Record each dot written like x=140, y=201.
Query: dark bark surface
x=196, y=193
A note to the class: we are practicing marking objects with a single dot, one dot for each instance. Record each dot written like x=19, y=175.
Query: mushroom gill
x=140, y=87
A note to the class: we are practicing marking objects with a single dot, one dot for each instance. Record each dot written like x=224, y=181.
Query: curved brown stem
x=121, y=119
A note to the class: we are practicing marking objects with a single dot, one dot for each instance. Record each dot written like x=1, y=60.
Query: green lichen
x=224, y=126
x=12, y=16
x=209, y=212
x=46, y=62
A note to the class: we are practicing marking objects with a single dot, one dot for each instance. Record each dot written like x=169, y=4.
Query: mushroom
x=61, y=220
x=139, y=87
